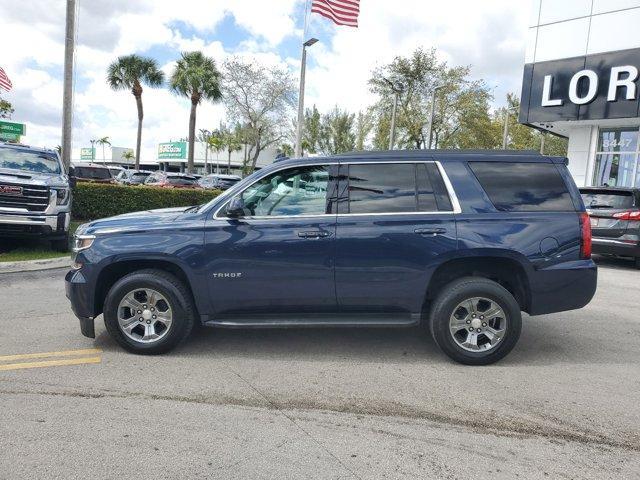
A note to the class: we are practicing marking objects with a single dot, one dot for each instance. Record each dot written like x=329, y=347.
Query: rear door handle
x=314, y=234
x=430, y=231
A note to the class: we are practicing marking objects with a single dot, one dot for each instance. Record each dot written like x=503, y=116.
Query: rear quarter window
x=523, y=187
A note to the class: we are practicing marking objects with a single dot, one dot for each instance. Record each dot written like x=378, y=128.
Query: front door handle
x=430, y=231
x=314, y=234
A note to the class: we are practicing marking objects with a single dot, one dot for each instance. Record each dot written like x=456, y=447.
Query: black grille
x=34, y=198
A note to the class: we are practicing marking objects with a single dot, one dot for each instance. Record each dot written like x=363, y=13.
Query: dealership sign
x=12, y=128
x=175, y=150
x=87, y=154
x=592, y=87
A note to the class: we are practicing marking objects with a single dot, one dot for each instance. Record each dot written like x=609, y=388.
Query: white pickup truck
x=35, y=195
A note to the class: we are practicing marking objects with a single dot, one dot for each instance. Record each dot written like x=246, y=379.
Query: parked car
x=171, y=180
x=460, y=241
x=115, y=171
x=133, y=177
x=91, y=172
x=218, y=181
x=615, y=220
x=35, y=195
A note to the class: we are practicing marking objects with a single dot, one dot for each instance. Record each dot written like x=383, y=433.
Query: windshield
x=93, y=173
x=36, y=162
x=607, y=199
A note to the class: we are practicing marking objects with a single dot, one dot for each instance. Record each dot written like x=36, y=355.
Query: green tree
x=196, y=77
x=103, y=141
x=131, y=72
x=523, y=137
x=6, y=109
x=312, y=130
x=203, y=137
x=232, y=142
x=462, y=105
x=363, y=126
x=337, y=133
x=129, y=155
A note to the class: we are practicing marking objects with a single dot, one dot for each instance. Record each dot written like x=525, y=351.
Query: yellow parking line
x=50, y=363
x=62, y=353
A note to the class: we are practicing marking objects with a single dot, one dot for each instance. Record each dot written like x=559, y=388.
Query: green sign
x=87, y=154
x=12, y=127
x=9, y=137
x=172, y=150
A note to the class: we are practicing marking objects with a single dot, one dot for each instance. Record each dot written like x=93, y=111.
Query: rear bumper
x=564, y=286
x=81, y=298
x=608, y=246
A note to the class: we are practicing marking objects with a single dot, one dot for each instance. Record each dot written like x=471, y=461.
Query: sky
x=488, y=35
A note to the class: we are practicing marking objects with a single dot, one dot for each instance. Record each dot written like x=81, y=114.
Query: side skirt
x=315, y=321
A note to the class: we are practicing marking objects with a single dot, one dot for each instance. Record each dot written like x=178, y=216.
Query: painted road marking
x=63, y=353
x=50, y=363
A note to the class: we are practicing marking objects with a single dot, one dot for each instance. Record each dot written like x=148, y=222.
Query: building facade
x=581, y=81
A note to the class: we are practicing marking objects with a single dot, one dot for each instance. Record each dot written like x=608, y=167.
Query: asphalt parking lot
x=319, y=403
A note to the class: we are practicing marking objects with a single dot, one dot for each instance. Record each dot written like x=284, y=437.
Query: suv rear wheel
x=148, y=312
x=475, y=321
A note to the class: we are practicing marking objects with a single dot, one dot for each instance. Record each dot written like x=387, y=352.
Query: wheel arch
x=504, y=268
x=110, y=274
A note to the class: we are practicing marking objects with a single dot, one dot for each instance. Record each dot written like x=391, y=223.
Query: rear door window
x=606, y=199
x=396, y=188
x=523, y=187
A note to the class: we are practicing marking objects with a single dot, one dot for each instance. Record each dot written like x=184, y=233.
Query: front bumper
x=608, y=246
x=81, y=298
x=24, y=224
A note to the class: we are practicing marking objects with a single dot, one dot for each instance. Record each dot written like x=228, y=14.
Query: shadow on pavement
x=625, y=263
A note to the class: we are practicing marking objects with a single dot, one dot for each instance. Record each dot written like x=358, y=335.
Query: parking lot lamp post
x=505, y=132
x=303, y=68
x=432, y=114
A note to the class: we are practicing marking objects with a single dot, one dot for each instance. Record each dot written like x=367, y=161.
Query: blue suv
x=460, y=241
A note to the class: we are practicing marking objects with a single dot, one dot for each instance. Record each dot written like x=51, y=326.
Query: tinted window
x=295, y=191
x=607, y=199
x=426, y=195
x=523, y=187
x=92, y=173
x=439, y=189
x=382, y=188
x=183, y=181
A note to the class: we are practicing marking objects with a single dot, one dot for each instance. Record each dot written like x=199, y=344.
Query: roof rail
x=439, y=152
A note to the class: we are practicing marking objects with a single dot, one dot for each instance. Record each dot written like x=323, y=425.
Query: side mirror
x=235, y=208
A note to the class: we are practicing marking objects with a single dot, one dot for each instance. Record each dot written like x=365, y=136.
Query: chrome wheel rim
x=478, y=324
x=144, y=315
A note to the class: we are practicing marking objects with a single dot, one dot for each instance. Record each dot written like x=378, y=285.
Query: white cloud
x=488, y=34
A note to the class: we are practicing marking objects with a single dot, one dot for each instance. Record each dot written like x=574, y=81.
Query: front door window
x=295, y=191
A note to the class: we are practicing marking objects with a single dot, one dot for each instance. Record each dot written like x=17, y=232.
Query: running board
x=315, y=321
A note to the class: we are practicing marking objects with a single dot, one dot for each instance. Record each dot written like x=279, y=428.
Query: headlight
x=62, y=195
x=82, y=242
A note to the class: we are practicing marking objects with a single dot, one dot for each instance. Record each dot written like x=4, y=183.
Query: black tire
x=456, y=292
x=61, y=244
x=176, y=295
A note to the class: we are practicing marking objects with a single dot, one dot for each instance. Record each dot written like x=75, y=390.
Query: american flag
x=4, y=80
x=342, y=12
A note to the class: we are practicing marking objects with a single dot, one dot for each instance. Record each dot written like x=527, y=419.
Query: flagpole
x=303, y=70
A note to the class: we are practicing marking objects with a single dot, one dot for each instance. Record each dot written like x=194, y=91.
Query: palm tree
x=203, y=137
x=130, y=73
x=232, y=143
x=197, y=78
x=103, y=141
x=128, y=156
x=215, y=144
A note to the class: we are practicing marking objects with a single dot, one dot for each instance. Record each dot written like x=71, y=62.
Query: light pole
x=93, y=149
x=397, y=90
x=67, y=99
x=303, y=69
x=505, y=132
x=432, y=114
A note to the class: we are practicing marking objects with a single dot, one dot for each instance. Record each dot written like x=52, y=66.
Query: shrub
x=94, y=200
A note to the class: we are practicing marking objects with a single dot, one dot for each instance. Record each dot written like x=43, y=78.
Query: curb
x=34, y=265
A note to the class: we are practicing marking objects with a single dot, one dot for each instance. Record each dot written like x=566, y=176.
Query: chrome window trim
x=455, y=204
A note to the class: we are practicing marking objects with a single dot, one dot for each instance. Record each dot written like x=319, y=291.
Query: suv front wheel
x=148, y=312
x=475, y=321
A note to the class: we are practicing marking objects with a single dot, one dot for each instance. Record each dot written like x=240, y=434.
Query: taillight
x=629, y=215
x=585, y=236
